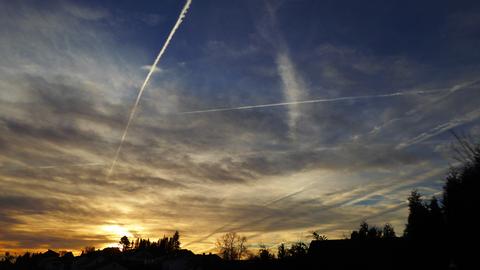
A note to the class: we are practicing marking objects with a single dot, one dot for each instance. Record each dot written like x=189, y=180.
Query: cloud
x=152, y=19
x=85, y=13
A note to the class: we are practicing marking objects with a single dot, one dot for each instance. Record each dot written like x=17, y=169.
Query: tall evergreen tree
x=417, y=224
x=175, y=241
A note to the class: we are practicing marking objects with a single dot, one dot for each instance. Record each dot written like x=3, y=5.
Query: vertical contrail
x=293, y=88
x=293, y=85
x=152, y=69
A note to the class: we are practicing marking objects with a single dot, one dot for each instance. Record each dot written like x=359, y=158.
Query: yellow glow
x=116, y=231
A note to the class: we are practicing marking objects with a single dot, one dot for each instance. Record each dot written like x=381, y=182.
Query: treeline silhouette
x=366, y=232
x=449, y=227
x=440, y=233
x=130, y=256
x=165, y=245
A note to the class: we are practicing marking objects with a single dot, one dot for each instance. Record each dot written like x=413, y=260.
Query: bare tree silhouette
x=232, y=246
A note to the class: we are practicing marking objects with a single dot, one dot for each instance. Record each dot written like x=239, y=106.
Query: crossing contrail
x=321, y=100
x=140, y=92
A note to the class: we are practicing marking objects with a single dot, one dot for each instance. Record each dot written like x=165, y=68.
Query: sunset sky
x=383, y=83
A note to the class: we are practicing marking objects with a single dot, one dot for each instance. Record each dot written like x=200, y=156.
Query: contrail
x=415, y=111
x=17, y=168
x=353, y=196
x=140, y=92
x=292, y=84
x=322, y=100
x=469, y=117
x=293, y=88
x=226, y=225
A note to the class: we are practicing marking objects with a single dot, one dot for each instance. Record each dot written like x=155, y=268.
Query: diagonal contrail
x=469, y=117
x=17, y=168
x=226, y=225
x=140, y=92
x=449, y=91
x=395, y=94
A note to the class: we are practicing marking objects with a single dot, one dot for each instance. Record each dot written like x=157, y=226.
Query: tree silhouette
x=8, y=258
x=362, y=232
x=417, y=226
x=436, y=221
x=354, y=235
x=461, y=203
x=298, y=249
x=264, y=253
x=367, y=232
x=281, y=251
x=319, y=237
x=374, y=233
x=88, y=250
x=165, y=245
x=388, y=231
x=125, y=243
x=429, y=223
x=232, y=246
x=425, y=219
x=175, y=241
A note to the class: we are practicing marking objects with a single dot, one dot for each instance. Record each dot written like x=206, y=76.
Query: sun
x=116, y=231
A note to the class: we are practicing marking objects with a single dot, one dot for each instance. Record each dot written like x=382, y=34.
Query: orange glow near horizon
x=116, y=230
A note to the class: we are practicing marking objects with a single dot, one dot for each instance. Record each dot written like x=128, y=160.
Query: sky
x=271, y=119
